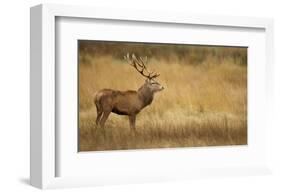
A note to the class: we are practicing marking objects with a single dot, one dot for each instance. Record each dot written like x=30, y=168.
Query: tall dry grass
x=201, y=105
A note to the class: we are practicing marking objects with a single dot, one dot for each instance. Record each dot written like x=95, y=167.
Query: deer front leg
x=132, y=119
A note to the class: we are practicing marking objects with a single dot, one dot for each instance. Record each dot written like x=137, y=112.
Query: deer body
x=128, y=103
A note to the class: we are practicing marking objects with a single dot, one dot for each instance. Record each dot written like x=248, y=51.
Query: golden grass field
x=201, y=105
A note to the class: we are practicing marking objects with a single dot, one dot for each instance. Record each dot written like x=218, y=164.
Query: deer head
x=140, y=64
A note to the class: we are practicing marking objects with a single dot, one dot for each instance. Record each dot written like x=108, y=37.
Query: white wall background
x=14, y=97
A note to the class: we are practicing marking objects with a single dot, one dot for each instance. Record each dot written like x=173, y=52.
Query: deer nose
x=162, y=87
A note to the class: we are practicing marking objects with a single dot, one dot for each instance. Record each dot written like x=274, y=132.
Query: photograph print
x=154, y=95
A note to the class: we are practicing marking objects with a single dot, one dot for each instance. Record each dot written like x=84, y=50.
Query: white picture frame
x=44, y=140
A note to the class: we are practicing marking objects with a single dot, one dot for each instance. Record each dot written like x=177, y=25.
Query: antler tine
x=150, y=74
x=127, y=57
x=144, y=61
x=133, y=61
x=140, y=63
x=154, y=76
x=130, y=60
x=136, y=64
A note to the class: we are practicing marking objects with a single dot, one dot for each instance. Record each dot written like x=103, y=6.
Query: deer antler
x=140, y=63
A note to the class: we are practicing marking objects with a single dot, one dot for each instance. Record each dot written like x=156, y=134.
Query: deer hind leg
x=104, y=117
x=132, y=120
x=99, y=114
x=99, y=110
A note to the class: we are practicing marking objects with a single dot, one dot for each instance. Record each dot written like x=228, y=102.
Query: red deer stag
x=129, y=102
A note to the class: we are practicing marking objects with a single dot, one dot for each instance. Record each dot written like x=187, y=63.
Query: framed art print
x=143, y=96
x=197, y=96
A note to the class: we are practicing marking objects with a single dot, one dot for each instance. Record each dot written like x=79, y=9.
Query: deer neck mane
x=146, y=95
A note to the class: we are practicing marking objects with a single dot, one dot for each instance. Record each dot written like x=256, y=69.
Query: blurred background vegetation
x=183, y=54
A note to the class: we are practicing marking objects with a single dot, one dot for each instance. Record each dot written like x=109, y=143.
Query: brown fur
x=128, y=103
